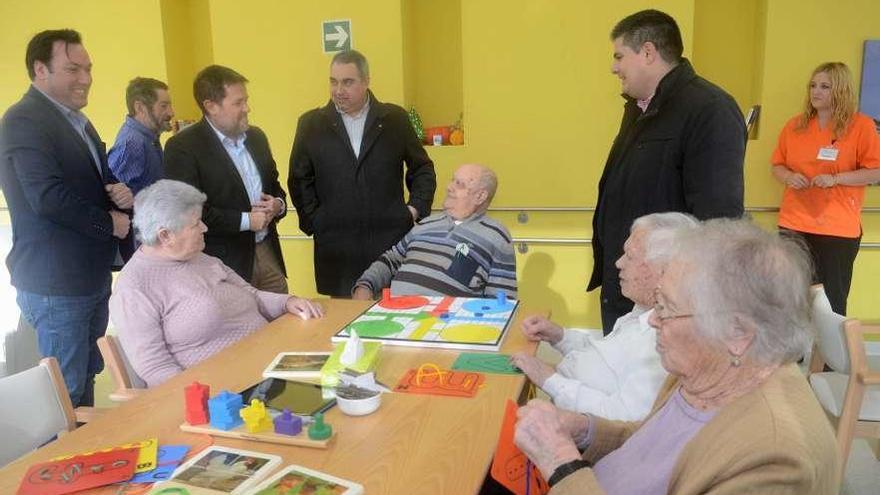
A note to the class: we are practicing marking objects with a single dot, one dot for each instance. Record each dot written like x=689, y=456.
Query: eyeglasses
x=660, y=308
x=665, y=318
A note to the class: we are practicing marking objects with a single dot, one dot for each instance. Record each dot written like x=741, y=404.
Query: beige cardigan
x=773, y=440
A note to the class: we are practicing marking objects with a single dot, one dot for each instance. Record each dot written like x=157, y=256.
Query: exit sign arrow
x=336, y=35
x=340, y=37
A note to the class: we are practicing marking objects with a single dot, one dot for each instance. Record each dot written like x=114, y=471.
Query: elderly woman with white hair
x=736, y=415
x=175, y=306
x=617, y=376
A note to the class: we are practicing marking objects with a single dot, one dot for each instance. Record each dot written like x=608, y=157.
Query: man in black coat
x=230, y=161
x=346, y=176
x=680, y=147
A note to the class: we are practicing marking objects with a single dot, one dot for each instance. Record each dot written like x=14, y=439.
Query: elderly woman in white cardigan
x=618, y=376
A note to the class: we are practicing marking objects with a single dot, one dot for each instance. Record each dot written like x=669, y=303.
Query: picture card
x=296, y=365
x=305, y=481
x=222, y=470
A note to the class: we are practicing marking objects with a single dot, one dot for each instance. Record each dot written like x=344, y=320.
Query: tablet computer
x=303, y=399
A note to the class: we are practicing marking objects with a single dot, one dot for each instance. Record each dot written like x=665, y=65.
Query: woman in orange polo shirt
x=825, y=158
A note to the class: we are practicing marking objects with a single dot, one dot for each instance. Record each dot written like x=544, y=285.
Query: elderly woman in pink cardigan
x=175, y=306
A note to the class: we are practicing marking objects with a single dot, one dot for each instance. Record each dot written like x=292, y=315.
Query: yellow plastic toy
x=256, y=418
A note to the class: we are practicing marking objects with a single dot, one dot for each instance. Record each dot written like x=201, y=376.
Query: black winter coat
x=354, y=206
x=684, y=153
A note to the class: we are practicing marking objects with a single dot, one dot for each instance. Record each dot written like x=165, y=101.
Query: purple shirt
x=653, y=449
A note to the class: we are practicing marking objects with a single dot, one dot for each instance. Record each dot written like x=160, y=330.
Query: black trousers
x=833, y=259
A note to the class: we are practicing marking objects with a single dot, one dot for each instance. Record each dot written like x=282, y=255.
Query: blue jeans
x=68, y=328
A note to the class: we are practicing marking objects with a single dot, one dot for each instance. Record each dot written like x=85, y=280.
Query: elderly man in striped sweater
x=459, y=252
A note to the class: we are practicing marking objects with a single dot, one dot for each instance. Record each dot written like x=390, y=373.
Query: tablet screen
x=303, y=399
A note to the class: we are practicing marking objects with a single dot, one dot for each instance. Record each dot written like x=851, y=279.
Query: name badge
x=827, y=153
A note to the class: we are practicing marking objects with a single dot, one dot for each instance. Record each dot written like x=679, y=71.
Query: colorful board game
x=426, y=321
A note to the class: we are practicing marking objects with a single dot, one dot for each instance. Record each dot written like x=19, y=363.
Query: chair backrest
x=858, y=411
x=35, y=408
x=831, y=341
x=117, y=362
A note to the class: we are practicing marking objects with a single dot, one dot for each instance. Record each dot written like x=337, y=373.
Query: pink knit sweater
x=171, y=315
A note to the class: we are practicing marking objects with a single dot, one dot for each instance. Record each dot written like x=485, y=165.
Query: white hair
x=164, y=205
x=488, y=181
x=662, y=231
x=743, y=276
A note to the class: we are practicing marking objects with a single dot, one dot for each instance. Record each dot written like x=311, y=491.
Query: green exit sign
x=336, y=35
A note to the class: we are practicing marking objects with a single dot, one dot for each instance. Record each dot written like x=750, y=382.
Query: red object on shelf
x=442, y=131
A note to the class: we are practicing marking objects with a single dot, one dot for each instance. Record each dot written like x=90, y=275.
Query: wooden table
x=412, y=444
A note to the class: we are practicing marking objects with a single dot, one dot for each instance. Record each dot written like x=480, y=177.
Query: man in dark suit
x=231, y=163
x=65, y=207
x=346, y=176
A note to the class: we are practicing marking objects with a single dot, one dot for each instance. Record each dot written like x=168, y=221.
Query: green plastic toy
x=319, y=429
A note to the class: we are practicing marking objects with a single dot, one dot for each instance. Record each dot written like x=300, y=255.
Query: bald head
x=470, y=191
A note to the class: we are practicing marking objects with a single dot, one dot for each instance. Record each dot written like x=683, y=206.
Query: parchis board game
x=429, y=321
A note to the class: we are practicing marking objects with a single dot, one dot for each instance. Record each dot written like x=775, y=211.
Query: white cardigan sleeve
x=617, y=377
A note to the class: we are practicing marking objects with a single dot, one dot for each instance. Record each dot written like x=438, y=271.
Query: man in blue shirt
x=136, y=156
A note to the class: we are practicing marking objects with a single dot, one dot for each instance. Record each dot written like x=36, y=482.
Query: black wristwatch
x=565, y=469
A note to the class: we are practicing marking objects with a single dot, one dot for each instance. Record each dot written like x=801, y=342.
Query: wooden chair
x=35, y=409
x=851, y=391
x=128, y=384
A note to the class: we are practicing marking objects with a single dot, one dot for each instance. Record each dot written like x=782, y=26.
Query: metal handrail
x=576, y=209
x=553, y=241
x=527, y=240
x=557, y=241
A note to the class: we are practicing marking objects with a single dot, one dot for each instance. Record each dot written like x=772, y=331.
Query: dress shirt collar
x=68, y=112
x=360, y=114
x=135, y=125
x=226, y=140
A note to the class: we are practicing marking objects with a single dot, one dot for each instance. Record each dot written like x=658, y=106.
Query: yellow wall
x=123, y=38
x=540, y=104
x=432, y=60
x=189, y=46
x=792, y=50
x=717, y=57
x=278, y=47
x=541, y=107
x=773, y=68
x=135, y=27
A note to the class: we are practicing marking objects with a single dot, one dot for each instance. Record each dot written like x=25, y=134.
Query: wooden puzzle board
x=241, y=433
x=435, y=321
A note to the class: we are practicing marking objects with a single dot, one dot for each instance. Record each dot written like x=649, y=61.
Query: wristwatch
x=565, y=469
